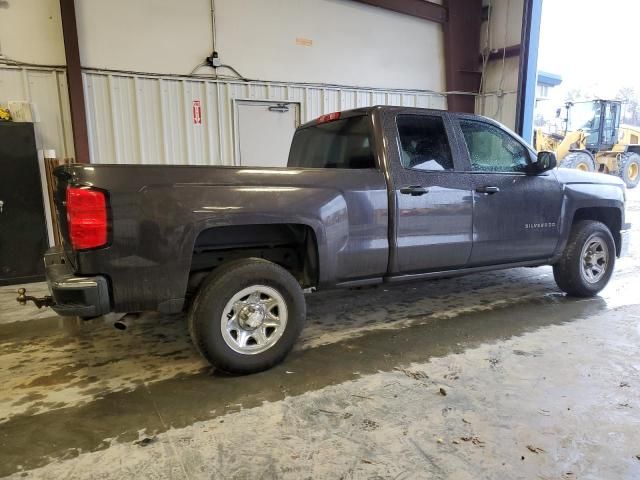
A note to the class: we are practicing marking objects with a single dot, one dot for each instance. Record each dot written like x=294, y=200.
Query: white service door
x=265, y=135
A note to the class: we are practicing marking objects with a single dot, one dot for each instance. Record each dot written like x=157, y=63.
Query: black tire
x=580, y=161
x=206, y=312
x=629, y=169
x=568, y=272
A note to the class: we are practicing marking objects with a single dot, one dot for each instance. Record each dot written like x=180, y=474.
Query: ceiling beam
x=416, y=8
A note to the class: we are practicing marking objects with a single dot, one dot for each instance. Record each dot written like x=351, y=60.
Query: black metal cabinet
x=23, y=231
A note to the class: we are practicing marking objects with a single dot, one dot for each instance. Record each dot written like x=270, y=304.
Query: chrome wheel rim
x=595, y=259
x=254, y=319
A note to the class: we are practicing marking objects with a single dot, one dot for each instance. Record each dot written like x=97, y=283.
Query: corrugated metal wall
x=46, y=89
x=501, y=92
x=149, y=119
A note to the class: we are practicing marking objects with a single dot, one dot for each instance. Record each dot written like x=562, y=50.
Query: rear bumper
x=73, y=295
x=625, y=237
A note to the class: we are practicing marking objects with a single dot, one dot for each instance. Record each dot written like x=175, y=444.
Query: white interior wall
x=46, y=90
x=351, y=43
x=31, y=31
x=501, y=78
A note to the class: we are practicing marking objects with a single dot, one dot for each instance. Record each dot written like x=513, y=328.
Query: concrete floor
x=494, y=375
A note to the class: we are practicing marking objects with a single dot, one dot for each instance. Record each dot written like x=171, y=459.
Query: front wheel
x=588, y=260
x=247, y=316
x=579, y=160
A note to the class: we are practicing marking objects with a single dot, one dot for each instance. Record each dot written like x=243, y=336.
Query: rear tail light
x=87, y=217
x=329, y=117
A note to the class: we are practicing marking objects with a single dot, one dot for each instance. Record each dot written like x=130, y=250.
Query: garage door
x=265, y=131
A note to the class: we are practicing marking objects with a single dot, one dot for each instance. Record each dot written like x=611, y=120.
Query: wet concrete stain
x=554, y=415
x=30, y=398
x=187, y=398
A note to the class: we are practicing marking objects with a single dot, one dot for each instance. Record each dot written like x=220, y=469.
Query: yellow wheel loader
x=594, y=141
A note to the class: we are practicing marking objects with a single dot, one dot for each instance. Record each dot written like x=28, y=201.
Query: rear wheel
x=580, y=161
x=588, y=259
x=629, y=169
x=247, y=316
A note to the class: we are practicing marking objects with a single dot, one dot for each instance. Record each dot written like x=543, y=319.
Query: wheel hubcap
x=583, y=167
x=254, y=319
x=251, y=317
x=595, y=259
x=633, y=171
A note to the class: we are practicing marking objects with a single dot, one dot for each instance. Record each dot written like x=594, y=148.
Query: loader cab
x=598, y=119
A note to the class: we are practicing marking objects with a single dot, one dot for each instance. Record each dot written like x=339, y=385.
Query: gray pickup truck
x=372, y=195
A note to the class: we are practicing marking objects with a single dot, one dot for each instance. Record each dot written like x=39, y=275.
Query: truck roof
x=358, y=111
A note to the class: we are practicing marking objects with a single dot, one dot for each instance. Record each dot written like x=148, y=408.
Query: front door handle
x=414, y=190
x=488, y=189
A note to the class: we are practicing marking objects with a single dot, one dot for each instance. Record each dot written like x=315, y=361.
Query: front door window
x=493, y=150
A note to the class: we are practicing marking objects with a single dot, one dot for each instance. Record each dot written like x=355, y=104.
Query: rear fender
x=208, y=207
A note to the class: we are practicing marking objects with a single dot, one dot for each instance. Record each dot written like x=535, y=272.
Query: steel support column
x=461, y=47
x=74, y=81
x=527, y=78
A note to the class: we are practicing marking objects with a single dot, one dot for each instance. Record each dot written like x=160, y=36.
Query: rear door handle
x=414, y=190
x=488, y=189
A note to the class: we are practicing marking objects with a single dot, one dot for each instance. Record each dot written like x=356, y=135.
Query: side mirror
x=545, y=161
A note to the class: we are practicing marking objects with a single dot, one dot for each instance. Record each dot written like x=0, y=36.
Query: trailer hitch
x=23, y=298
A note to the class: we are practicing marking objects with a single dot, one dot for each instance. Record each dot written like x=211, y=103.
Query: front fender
x=593, y=196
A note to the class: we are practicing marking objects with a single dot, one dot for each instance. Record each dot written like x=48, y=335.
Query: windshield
x=585, y=116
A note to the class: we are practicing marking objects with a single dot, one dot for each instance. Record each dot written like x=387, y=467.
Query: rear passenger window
x=423, y=143
x=344, y=143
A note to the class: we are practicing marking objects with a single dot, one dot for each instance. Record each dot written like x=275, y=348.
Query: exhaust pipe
x=124, y=322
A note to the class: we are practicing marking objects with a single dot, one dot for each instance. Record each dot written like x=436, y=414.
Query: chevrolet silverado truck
x=371, y=195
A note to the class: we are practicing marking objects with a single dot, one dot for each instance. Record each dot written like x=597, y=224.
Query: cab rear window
x=344, y=143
